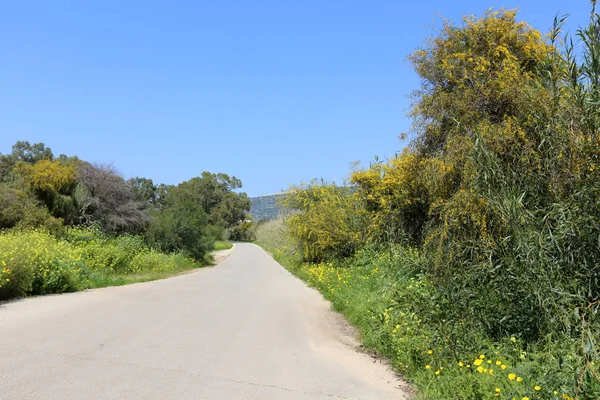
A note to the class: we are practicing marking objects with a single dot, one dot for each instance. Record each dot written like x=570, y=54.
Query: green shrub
x=30, y=260
x=58, y=277
x=112, y=254
x=215, y=232
x=401, y=314
x=242, y=232
x=35, y=262
x=153, y=261
x=182, y=226
x=329, y=222
x=18, y=208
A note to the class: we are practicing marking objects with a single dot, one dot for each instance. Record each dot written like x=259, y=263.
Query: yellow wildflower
x=537, y=388
x=512, y=377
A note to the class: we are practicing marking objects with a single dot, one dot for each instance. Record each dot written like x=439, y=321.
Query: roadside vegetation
x=67, y=225
x=222, y=245
x=36, y=262
x=471, y=259
x=272, y=234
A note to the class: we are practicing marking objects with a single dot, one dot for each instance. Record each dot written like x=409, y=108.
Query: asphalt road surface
x=245, y=329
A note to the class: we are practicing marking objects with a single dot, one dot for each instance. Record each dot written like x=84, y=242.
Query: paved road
x=245, y=329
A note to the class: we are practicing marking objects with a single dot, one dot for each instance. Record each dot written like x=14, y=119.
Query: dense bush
x=18, y=209
x=36, y=262
x=182, y=225
x=401, y=314
x=113, y=254
x=242, y=232
x=327, y=221
x=105, y=198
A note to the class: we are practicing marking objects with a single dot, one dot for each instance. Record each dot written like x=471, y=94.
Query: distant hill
x=265, y=207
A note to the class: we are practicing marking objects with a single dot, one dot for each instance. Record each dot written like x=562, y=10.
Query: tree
x=191, y=216
x=485, y=70
x=23, y=151
x=46, y=176
x=181, y=224
x=144, y=191
x=53, y=183
x=105, y=198
x=328, y=221
x=18, y=208
x=35, y=179
x=31, y=153
x=224, y=207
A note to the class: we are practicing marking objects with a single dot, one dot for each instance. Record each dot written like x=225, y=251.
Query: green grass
x=222, y=245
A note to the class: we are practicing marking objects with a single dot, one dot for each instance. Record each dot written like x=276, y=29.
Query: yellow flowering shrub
x=327, y=222
x=395, y=195
x=48, y=175
x=482, y=70
x=36, y=262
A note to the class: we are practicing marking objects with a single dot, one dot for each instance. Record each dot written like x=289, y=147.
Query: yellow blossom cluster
x=485, y=366
x=30, y=259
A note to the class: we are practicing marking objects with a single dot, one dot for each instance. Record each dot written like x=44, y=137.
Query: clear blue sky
x=273, y=92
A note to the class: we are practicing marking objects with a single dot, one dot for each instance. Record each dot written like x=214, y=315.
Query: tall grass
x=272, y=234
